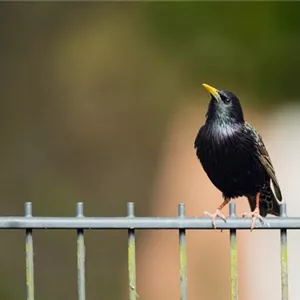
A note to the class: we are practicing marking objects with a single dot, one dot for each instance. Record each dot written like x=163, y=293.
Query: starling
x=235, y=158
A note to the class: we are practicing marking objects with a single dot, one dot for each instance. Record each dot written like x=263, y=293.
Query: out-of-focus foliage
x=86, y=93
x=254, y=45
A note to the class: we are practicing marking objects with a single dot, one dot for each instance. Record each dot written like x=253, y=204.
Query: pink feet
x=213, y=216
x=255, y=216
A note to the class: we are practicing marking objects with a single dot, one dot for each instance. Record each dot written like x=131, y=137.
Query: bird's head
x=224, y=107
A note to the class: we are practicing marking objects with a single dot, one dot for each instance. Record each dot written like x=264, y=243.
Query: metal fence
x=131, y=223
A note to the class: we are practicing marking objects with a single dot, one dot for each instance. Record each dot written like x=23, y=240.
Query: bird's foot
x=255, y=216
x=213, y=216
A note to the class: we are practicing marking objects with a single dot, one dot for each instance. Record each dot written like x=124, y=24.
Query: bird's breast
x=223, y=140
x=222, y=145
x=228, y=157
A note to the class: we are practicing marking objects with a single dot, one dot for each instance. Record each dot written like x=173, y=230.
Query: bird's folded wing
x=265, y=160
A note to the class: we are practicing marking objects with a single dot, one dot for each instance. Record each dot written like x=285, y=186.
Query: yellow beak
x=214, y=92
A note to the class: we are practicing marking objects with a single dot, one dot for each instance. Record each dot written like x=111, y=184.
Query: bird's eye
x=225, y=99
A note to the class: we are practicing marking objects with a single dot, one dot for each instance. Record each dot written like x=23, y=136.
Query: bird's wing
x=265, y=160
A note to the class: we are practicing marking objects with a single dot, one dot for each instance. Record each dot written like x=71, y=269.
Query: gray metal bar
x=284, y=257
x=143, y=223
x=29, y=256
x=182, y=255
x=233, y=257
x=80, y=255
x=131, y=255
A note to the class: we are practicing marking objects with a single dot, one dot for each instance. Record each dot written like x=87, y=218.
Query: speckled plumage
x=234, y=156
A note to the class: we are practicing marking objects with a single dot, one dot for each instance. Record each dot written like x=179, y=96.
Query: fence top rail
x=144, y=223
x=28, y=221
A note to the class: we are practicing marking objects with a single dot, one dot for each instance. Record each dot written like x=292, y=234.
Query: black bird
x=235, y=158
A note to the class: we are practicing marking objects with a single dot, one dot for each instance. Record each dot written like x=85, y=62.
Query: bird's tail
x=268, y=203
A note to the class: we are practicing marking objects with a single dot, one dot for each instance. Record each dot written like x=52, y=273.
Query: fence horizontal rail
x=143, y=223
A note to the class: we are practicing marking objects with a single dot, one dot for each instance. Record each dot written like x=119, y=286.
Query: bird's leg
x=218, y=213
x=255, y=214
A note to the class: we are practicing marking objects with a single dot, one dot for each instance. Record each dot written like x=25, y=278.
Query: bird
x=235, y=158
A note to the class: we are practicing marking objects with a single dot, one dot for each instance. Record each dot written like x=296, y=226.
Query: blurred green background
x=87, y=91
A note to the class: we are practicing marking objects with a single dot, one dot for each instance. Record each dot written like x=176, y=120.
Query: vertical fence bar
x=182, y=255
x=131, y=255
x=80, y=255
x=29, y=256
x=233, y=257
x=284, y=257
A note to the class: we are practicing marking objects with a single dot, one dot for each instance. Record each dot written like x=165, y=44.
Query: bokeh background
x=100, y=102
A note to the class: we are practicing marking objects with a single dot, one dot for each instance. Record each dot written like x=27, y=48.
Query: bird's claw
x=255, y=216
x=214, y=215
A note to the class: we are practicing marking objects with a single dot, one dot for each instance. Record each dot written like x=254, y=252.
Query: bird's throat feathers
x=221, y=114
